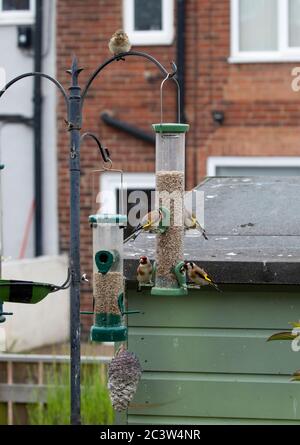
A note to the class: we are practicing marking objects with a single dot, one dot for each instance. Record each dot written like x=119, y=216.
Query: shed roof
x=253, y=226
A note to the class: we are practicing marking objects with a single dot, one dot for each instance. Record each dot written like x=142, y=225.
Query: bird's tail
x=133, y=235
x=216, y=287
x=202, y=231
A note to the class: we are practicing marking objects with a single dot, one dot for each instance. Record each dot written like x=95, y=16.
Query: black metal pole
x=37, y=124
x=74, y=103
x=74, y=122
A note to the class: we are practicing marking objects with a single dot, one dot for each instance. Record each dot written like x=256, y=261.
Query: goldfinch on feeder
x=149, y=223
x=199, y=276
x=144, y=272
x=119, y=43
x=190, y=222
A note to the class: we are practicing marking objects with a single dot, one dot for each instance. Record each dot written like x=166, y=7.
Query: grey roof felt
x=253, y=226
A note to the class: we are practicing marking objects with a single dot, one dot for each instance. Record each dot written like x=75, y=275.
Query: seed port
x=103, y=257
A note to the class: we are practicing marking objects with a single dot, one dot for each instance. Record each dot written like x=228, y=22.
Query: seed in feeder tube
x=169, y=245
x=107, y=289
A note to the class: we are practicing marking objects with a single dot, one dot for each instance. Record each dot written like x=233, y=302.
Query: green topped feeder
x=108, y=279
x=170, y=186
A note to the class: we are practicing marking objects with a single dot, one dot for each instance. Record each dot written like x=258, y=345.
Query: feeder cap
x=108, y=218
x=171, y=128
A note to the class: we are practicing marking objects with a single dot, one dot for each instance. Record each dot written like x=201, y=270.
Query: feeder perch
x=108, y=279
x=170, y=164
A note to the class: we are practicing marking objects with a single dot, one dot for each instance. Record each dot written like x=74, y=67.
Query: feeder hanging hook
x=170, y=76
x=103, y=150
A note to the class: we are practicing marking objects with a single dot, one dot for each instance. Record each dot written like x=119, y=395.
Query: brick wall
x=261, y=111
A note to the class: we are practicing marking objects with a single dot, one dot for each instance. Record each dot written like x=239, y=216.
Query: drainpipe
x=128, y=128
x=37, y=125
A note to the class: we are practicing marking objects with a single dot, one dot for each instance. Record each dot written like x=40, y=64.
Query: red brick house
x=235, y=59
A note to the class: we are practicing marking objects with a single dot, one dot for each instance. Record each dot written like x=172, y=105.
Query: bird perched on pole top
x=198, y=276
x=119, y=43
x=144, y=272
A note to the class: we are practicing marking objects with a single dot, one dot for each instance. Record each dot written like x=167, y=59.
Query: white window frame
x=18, y=17
x=214, y=162
x=284, y=52
x=162, y=37
x=111, y=182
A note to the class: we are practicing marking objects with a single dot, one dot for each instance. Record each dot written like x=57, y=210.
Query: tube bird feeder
x=108, y=279
x=170, y=166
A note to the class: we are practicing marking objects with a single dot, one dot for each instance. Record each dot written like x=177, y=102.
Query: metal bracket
x=122, y=306
x=3, y=314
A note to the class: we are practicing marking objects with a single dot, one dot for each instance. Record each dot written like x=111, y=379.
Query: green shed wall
x=206, y=360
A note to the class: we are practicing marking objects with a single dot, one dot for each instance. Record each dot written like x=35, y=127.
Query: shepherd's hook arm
x=122, y=56
x=46, y=76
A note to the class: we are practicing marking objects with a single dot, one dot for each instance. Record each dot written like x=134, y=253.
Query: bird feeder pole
x=74, y=102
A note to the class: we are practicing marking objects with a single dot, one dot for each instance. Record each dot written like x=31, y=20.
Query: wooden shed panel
x=212, y=350
x=217, y=395
x=254, y=307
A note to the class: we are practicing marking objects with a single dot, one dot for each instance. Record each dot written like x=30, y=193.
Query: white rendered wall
x=44, y=323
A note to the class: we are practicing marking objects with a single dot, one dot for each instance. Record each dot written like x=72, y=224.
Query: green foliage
x=96, y=408
x=282, y=336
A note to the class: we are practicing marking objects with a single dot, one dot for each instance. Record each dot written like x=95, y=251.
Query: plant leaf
x=282, y=336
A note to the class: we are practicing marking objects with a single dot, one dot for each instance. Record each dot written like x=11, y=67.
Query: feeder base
x=169, y=291
x=100, y=334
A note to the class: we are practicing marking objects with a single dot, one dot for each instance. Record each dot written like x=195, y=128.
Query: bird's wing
x=151, y=219
x=202, y=274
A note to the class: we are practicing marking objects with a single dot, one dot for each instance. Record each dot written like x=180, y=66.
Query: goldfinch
x=198, y=276
x=144, y=272
x=190, y=222
x=149, y=224
x=119, y=43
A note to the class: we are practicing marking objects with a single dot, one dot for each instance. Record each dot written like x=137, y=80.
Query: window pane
x=258, y=25
x=144, y=207
x=294, y=22
x=15, y=5
x=147, y=15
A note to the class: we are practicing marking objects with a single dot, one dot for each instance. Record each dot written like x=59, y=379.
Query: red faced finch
x=144, y=272
x=198, y=276
x=119, y=43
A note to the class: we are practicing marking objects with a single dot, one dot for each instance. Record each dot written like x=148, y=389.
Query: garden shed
x=205, y=357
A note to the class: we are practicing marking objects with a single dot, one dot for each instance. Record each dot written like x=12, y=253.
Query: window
x=149, y=22
x=17, y=12
x=253, y=166
x=132, y=182
x=265, y=30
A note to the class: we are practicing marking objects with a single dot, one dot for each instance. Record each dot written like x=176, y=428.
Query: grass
x=96, y=407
